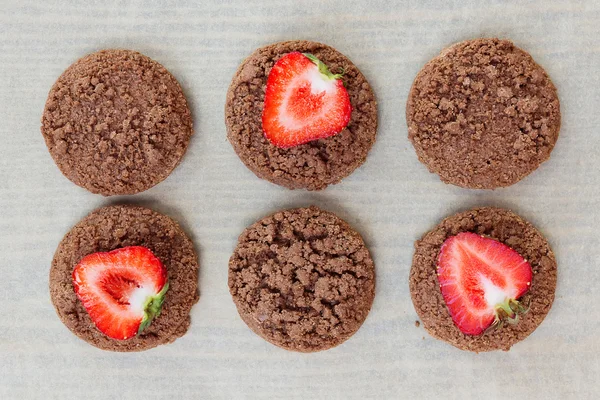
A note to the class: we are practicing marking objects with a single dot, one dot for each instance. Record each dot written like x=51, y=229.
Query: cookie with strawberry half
x=125, y=279
x=300, y=114
x=483, y=279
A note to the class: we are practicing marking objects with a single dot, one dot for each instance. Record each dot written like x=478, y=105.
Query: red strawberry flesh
x=303, y=101
x=121, y=290
x=481, y=280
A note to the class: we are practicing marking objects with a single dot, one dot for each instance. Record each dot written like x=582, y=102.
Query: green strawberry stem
x=152, y=307
x=508, y=311
x=323, y=68
x=505, y=309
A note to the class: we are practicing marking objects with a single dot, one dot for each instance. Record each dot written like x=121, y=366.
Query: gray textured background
x=392, y=200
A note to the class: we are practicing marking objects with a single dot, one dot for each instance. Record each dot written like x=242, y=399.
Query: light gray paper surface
x=392, y=200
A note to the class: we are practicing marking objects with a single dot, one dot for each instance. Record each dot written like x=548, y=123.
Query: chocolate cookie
x=302, y=279
x=116, y=122
x=501, y=225
x=313, y=165
x=114, y=227
x=483, y=114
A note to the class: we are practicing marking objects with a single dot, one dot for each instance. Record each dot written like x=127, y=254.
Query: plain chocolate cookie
x=483, y=114
x=116, y=122
x=113, y=227
x=302, y=279
x=501, y=225
x=313, y=165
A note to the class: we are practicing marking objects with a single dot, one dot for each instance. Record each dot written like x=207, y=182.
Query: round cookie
x=113, y=227
x=302, y=279
x=116, y=122
x=483, y=114
x=313, y=165
x=501, y=225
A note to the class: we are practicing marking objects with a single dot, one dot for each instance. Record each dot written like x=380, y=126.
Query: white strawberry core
x=494, y=295
x=318, y=84
x=138, y=298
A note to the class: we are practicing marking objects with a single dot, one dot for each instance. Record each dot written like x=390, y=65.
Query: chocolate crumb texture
x=116, y=122
x=302, y=279
x=483, y=114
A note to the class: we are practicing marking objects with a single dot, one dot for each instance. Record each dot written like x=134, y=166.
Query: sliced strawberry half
x=304, y=101
x=122, y=290
x=481, y=280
